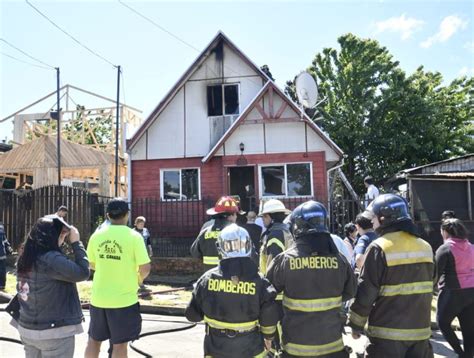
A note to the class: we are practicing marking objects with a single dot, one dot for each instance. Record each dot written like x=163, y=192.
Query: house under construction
x=87, y=142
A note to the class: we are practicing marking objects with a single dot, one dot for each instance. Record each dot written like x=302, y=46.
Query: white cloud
x=403, y=25
x=466, y=71
x=448, y=27
x=469, y=46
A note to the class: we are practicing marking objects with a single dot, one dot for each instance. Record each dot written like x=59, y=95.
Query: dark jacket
x=314, y=285
x=230, y=298
x=255, y=232
x=205, y=244
x=395, y=289
x=48, y=294
x=5, y=248
x=276, y=239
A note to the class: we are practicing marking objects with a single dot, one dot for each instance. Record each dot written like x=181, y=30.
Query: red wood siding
x=318, y=159
x=146, y=173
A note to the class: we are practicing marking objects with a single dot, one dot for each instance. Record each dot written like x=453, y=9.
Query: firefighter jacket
x=314, y=285
x=395, y=289
x=205, y=244
x=276, y=239
x=238, y=306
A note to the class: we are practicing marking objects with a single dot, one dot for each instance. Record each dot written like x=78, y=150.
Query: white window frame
x=223, y=99
x=260, y=180
x=162, y=187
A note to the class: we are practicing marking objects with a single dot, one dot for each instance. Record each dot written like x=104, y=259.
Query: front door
x=242, y=183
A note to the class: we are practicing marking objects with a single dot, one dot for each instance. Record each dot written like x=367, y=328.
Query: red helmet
x=225, y=204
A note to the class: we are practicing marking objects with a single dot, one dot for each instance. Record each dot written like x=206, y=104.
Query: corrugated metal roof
x=42, y=153
x=459, y=175
x=463, y=163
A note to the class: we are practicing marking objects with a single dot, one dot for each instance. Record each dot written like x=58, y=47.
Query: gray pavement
x=184, y=344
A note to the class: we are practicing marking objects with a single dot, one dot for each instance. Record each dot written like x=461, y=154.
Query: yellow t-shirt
x=116, y=251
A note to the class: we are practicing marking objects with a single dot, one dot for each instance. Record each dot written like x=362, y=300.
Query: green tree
x=85, y=128
x=82, y=129
x=383, y=119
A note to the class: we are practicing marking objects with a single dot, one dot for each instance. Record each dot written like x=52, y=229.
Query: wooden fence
x=20, y=209
x=173, y=223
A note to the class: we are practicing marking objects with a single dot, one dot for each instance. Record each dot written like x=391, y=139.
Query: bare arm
x=143, y=272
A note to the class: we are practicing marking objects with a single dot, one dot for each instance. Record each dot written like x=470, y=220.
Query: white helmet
x=234, y=241
x=274, y=206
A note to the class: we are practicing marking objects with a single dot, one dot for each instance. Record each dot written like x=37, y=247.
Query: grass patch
x=172, y=299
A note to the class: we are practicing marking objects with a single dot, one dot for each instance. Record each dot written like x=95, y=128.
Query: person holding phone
x=50, y=313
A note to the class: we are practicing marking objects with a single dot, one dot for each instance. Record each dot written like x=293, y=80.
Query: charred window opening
x=231, y=99
x=222, y=100
x=214, y=100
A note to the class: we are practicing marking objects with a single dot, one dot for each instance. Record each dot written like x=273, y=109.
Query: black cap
x=117, y=207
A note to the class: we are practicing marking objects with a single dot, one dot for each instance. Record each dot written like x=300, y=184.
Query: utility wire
x=26, y=54
x=69, y=35
x=28, y=63
x=181, y=40
x=159, y=26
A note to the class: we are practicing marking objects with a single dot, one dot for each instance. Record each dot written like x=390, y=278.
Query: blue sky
x=285, y=35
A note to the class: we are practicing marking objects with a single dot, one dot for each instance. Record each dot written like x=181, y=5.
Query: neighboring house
x=226, y=128
x=436, y=187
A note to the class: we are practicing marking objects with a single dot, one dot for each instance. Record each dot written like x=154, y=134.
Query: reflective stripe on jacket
x=314, y=288
x=237, y=306
x=276, y=239
x=395, y=290
x=204, y=247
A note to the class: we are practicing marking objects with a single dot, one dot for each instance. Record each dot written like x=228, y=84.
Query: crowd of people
x=280, y=284
x=46, y=309
x=382, y=275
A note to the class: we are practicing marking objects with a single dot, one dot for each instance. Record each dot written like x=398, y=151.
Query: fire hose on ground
x=86, y=306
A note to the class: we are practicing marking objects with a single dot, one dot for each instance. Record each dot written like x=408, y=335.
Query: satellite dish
x=306, y=89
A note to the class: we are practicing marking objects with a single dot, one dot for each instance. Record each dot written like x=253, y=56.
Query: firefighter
x=396, y=285
x=315, y=279
x=235, y=301
x=223, y=214
x=277, y=237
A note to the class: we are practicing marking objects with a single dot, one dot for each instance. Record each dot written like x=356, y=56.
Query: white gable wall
x=165, y=136
x=283, y=137
x=182, y=129
x=249, y=134
x=139, y=151
x=316, y=144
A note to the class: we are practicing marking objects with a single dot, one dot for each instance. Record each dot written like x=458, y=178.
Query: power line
x=69, y=35
x=158, y=26
x=26, y=54
x=28, y=63
x=181, y=40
